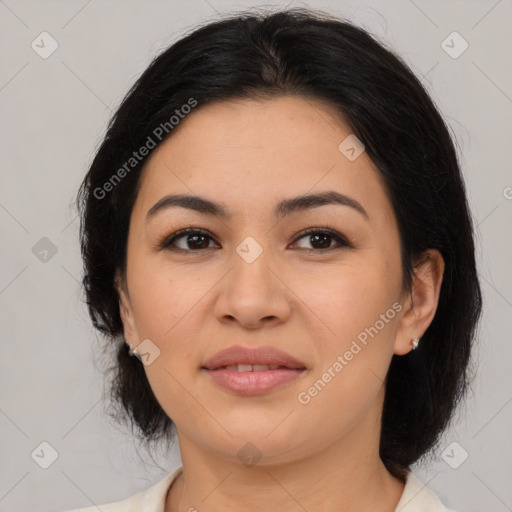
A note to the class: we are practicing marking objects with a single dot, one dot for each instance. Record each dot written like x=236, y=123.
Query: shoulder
x=417, y=497
x=150, y=500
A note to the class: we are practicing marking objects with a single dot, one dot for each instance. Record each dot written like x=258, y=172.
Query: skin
x=248, y=155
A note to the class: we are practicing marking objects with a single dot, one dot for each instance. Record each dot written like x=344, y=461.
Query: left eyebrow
x=285, y=207
x=308, y=202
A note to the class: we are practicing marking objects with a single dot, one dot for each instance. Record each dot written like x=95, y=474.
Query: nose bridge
x=251, y=261
x=255, y=253
x=251, y=291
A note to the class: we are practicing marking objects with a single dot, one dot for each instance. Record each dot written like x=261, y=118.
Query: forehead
x=248, y=151
x=288, y=127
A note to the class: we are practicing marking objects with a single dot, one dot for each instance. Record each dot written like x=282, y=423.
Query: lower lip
x=253, y=383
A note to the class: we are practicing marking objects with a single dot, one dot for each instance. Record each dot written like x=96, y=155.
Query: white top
x=416, y=497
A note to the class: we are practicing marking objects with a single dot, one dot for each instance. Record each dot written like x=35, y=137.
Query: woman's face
x=253, y=278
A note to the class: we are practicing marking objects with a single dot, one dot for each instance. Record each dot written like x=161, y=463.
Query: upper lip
x=259, y=355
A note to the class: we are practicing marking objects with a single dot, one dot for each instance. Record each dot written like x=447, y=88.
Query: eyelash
x=167, y=241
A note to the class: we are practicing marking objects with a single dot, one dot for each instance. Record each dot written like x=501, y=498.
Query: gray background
x=54, y=113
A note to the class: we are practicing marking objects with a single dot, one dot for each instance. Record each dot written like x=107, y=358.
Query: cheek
x=355, y=354
x=358, y=305
x=164, y=297
x=352, y=296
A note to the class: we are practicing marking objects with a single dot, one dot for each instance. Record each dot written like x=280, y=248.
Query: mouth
x=252, y=371
x=242, y=368
x=249, y=379
x=245, y=359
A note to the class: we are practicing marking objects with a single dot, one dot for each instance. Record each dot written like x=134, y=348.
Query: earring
x=132, y=351
x=414, y=343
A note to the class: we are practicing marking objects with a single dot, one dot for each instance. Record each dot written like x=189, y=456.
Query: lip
x=252, y=382
x=255, y=382
x=257, y=355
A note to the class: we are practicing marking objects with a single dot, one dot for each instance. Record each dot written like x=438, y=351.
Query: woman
x=276, y=227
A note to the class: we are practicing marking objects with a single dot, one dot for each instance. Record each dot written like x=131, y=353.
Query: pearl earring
x=414, y=343
x=132, y=351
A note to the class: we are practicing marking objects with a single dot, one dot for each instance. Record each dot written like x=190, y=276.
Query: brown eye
x=193, y=240
x=322, y=238
x=196, y=240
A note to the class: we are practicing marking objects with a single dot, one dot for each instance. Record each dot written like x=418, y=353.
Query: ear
x=126, y=311
x=420, y=304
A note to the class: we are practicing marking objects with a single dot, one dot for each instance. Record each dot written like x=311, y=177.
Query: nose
x=253, y=293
